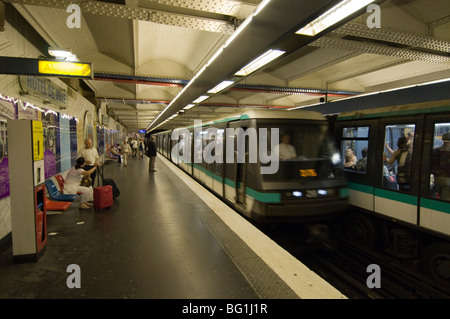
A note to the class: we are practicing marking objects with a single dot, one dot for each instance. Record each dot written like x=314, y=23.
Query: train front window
x=440, y=163
x=304, y=150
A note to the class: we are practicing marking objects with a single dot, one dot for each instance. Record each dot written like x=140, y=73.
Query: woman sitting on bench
x=73, y=180
x=113, y=153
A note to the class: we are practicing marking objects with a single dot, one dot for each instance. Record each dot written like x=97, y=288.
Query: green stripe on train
x=401, y=197
x=397, y=196
x=435, y=205
x=261, y=197
x=343, y=192
x=360, y=188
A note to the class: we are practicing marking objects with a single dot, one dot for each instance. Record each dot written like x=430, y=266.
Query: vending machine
x=27, y=189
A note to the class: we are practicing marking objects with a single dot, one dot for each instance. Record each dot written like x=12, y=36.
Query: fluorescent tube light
x=333, y=16
x=221, y=86
x=201, y=99
x=72, y=58
x=259, y=62
x=60, y=53
x=189, y=106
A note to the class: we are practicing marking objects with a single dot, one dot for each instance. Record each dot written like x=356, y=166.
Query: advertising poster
x=7, y=111
x=73, y=140
x=65, y=143
x=52, y=156
x=88, y=126
x=100, y=140
x=38, y=140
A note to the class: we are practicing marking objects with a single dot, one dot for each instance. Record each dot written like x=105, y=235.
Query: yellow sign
x=65, y=68
x=308, y=173
x=38, y=140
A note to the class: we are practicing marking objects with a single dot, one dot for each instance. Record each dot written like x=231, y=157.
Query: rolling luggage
x=110, y=181
x=103, y=197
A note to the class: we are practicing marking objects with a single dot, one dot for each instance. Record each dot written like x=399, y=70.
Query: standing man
x=126, y=150
x=91, y=156
x=134, y=145
x=151, y=153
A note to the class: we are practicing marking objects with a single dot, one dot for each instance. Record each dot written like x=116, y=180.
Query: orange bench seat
x=56, y=205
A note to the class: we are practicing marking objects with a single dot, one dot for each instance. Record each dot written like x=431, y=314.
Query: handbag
x=86, y=181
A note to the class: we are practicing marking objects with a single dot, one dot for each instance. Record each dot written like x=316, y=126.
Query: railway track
x=345, y=266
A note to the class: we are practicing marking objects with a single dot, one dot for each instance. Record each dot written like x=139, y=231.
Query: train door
x=397, y=171
x=435, y=175
x=217, y=166
x=164, y=142
x=238, y=169
x=208, y=163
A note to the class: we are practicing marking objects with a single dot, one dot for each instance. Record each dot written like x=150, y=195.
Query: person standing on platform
x=90, y=155
x=141, y=148
x=126, y=149
x=151, y=153
x=134, y=145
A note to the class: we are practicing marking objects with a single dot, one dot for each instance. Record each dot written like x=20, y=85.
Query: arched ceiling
x=144, y=52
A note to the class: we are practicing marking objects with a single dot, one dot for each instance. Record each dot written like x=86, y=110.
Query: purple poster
x=7, y=111
x=52, y=155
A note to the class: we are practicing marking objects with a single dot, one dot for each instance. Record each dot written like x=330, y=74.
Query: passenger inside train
x=441, y=168
x=298, y=153
x=285, y=150
x=355, y=147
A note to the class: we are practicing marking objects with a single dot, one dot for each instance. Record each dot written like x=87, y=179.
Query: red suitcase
x=103, y=197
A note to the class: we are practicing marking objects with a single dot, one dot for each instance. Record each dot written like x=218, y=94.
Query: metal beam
x=349, y=45
x=174, y=17
x=389, y=35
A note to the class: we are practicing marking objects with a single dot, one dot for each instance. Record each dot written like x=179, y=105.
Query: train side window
x=355, y=145
x=397, y=156
x=440, y=163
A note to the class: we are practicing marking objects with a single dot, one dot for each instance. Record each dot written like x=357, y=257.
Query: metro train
x=243, y=169
x=400, y=197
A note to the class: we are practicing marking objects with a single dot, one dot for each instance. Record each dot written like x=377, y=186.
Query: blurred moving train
x=401, y=194
x=306, y=186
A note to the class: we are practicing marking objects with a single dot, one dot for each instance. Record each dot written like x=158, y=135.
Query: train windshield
x=305, y=151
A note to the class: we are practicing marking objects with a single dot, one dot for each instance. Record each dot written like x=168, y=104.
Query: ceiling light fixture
x=241, y=27
x=60, y=53
x=221, y=86
x=259, y=62
x=63, y=54
x=189, y=106
x=333, y=16
x=200, y=99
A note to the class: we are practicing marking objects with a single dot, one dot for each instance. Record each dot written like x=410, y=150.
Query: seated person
x=73, y=180
x=285, y=150
x=114, y=153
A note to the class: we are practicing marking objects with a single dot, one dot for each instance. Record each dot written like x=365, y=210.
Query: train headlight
x=336, y=158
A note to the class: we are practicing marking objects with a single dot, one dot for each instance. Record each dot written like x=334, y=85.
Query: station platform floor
x=166, y=237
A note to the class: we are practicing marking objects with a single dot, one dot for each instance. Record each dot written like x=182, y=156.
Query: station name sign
x=42, y=67
x=44, y=89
